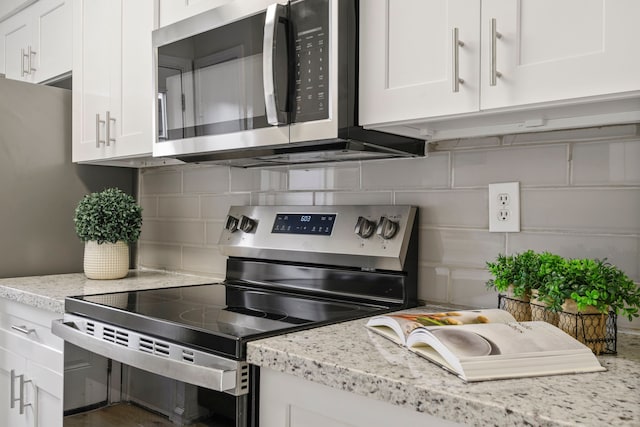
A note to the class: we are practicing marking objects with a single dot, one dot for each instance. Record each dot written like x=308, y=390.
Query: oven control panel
x=365, y=236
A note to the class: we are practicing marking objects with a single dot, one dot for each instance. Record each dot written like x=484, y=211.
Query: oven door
x=222, y=77
x=147, y=380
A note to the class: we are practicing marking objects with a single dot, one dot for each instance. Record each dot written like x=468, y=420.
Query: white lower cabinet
x=31, y=367
x=289, y=401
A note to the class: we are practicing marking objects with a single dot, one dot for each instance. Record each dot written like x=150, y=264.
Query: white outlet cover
x=497, y=194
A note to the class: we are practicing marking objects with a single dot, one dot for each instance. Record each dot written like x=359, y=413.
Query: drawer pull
x=24, y=329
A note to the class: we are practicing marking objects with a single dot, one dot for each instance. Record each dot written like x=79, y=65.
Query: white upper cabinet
x=551, y=50
x=112, y=74
x=36, y=42
x=408, y=58
x=519, y=65
x=172, y=11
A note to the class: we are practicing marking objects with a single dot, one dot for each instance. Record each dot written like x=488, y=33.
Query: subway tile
x=179, y=207
x=460, y=248
x=213, y=232
x=585, y=134
x=293, y=198
x=325, y=178
x=468, y=287
x=354, y=198
x=545, y=165
x=160, y=181
x=152, y=255
x=433, y=284
x=177, y=232
x=463, y=208
x=465, y=143
x=623, y=251
x=149, y=206
x=204, y=260
x=606, y=163
x=577, y=209
x=206, y=179
x=398, y=174
x=217, y=207
x=258, y=179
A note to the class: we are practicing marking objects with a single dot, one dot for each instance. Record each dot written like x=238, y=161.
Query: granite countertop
x=48, y=292
x=348, y=357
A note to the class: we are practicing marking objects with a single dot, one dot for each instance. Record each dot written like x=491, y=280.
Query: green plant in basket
x=108, y=216
x=518, y=272
x=594, y=283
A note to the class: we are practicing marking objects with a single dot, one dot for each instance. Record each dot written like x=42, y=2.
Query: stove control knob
x=386, y=228
x=364, y=227
x=231, y=224
x=246, y=224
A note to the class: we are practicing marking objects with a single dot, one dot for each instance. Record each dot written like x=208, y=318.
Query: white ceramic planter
x=106, y=261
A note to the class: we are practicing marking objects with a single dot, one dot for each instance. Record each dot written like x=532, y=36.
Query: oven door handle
x=276, y=17
x=218, y=378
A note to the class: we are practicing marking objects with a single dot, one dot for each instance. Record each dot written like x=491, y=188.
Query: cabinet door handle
x=457, y=44
x=98, y=122
x=30, y=54
x=107, y=125
x=23, y=55
x=495, y=35
x=20, y=399
x=24, y=329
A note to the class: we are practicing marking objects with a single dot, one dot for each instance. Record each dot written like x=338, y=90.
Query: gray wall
x=39, y=186
x=580, y=197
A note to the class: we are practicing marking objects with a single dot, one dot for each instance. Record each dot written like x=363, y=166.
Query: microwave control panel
x=311, y=35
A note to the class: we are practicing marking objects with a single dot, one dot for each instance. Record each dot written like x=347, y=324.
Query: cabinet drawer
x=29, y=322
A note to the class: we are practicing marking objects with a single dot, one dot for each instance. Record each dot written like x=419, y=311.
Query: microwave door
x=209, y=69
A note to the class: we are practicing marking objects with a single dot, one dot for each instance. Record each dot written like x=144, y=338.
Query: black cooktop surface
x=215, y=317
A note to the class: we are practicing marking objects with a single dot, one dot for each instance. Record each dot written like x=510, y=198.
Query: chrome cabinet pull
x=19, y=399
x=457, y=44
x=98, y=122
x=30, y=55
x=108, y=121
x=24, y=329
x=23, y=55
x=495, y=35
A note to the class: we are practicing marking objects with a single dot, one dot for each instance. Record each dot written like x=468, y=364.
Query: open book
x=488, y=344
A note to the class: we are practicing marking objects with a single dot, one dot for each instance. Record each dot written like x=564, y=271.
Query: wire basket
x=597, y=331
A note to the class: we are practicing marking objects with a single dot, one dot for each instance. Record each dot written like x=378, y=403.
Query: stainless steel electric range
x=289, y=268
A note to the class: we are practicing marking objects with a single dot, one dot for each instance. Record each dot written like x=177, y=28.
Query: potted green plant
x=515, y=276
x=585, y=292
x=107, y=221
x=548, y=273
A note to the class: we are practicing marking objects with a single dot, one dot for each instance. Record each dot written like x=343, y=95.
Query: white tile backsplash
x=531, y=166
x=429, y=172
x=580, y=196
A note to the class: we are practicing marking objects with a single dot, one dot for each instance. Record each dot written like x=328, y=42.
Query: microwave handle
x=276, y=13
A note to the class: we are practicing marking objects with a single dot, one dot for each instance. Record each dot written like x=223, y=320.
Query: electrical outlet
x=504, y=207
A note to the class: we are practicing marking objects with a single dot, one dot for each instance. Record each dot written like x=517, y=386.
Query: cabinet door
x=132, y=104
x=554, y=50
x=93, y=44
x=52, y=39
x=408, y=59
x=16, y=37
x=10, y=388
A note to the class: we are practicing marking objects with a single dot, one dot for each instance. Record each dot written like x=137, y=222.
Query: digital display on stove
x=316, y=224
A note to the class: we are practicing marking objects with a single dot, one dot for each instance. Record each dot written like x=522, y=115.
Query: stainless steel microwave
x=254, y=83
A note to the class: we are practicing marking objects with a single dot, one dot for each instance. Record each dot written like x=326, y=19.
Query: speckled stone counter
x=349, y=357
x=49, y=292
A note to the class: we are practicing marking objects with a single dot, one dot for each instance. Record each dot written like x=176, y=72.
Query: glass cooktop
x=215, y=317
